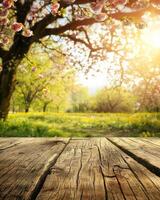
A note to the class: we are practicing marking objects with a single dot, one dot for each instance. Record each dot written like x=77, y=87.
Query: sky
x=93, y=83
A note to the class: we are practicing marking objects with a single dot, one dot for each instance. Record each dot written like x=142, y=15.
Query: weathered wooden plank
x=144, y=152
x=22, y=166
x=83, y=169
x=96, y=169
x=6, y=143
x=148, y=147
x=124, y=177
x=153, y=141
x=76, y=174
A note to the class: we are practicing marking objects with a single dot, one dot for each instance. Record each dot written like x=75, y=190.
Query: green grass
x=81, y=125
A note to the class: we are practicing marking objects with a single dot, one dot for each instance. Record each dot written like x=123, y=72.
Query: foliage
x=56, y=98
x=76, y=124
x=144, y=76
x=41, y=81
x=114, y=100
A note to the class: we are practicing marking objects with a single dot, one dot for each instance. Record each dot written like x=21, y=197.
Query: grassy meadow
x=81, y=125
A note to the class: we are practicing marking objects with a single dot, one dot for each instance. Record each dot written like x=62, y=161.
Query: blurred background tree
x=114, y=100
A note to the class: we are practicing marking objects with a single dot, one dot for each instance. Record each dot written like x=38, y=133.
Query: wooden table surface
x=80, y=168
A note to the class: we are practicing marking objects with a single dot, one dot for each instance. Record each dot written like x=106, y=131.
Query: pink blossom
x=7, y=3
x=3, y=21
x=54, y=8
x=101, y=17
x=97, y=7
x=5, y=40
x=3, y=12
x=33, y=69
x=35, y=7
x=30, y=17
x=17, y=26
x=27, y=33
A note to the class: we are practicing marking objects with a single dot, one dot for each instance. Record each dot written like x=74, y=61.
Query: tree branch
x=51, y=49
x=88, y=45
x=70, y=26
x=23, y=9
x=42, y=24
x=135, y=14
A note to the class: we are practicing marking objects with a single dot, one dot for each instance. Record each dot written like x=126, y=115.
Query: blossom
x=3, y=21
x=5, y=40
x=33, y=69
x=3, y=12
x=97, y=7
x=7, y=3
x=35, y=6
x=27, y=33
x=17, y=26
x=54, y=8
x=101, y=17
x=30, y=17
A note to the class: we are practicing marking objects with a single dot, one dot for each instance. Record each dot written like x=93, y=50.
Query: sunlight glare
x=152, y=37
x=93, y=83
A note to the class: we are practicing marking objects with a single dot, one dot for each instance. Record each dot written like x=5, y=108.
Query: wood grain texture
x=6, y=143
x=78, y=169
x=76, y=174
x=96, y=169
x=136, y=182
x=152, y=141
x=147, y=152
x=22, y=165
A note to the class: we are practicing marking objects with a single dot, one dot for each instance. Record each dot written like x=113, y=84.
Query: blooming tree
x=40, y=80
x=24, y=22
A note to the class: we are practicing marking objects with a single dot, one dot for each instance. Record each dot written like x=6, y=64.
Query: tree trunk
x=45, y=107
x=57, y=108
x=27, y=109
x=7, y=85
x=10, y=63
x=27, y=105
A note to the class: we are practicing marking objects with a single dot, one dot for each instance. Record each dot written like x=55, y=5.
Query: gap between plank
x=43, y=176
x=140, y=160
x=9, y=146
